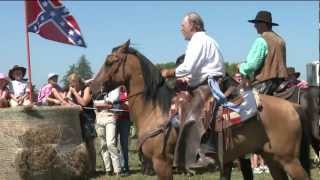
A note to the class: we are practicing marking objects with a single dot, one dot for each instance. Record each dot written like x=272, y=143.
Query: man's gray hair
x=196, y=20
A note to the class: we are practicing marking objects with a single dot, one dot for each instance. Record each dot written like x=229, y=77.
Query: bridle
x=122, y=59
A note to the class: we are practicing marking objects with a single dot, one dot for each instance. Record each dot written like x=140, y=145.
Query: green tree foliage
x=231, y=68
x=82, y=68
x=167, y=65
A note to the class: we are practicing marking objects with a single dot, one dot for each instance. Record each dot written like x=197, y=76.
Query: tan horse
x=277, y=135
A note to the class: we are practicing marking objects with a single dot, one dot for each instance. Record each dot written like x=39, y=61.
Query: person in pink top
x=51, y=93
x=4, y=91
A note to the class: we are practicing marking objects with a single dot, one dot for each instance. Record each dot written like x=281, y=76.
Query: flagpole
x=28, y=52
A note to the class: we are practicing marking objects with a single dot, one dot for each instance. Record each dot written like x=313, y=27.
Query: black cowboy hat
x=265, y=17
x=17, y=67
x=292, y=71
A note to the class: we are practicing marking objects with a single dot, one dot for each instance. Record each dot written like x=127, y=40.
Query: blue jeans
x=123, y=129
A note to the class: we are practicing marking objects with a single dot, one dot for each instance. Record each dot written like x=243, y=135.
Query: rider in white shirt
x=203, y=58
x=203, y=63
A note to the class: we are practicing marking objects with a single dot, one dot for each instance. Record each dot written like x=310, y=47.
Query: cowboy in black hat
x=292, y=73
x=19, y=91
x=265, y=64
x=266, y=61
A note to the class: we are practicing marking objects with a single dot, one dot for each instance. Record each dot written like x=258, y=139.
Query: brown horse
x=278, y=135
x=309, y=101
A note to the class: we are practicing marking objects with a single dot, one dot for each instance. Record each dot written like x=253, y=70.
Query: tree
x=231, y=68
x=82, y=68
x=167, y=65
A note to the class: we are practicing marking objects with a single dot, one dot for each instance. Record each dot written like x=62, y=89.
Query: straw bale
x=41, y=143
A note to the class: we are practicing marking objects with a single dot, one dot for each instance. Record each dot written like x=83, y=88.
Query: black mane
x=155, y=88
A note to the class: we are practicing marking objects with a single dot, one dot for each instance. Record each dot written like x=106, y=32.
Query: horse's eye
x=109, y=61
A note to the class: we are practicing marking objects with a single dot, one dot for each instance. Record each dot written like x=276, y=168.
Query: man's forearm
x=168, y=73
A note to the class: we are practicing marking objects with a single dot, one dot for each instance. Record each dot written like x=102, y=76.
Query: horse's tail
x=304, y=155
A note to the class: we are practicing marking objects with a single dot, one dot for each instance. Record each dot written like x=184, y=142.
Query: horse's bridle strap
x=135, y=94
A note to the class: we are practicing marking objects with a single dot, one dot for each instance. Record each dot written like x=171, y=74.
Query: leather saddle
x=286, y=93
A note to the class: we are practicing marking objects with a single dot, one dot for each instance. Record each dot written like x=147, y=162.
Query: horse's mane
x=155, y=88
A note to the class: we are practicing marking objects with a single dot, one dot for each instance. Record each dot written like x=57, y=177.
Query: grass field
x=213, y=175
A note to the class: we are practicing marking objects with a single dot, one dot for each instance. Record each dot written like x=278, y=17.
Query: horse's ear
x=124, y=48
x=127, y=43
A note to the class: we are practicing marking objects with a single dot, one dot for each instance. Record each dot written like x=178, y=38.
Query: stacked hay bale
x=41, y=143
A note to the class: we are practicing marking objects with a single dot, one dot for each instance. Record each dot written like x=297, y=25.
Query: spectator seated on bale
x=4, y=91
x=19, y=91
x=52, y=93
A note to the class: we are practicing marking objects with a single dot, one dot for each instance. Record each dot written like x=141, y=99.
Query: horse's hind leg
x=294, y=169
x=227, y=170
x=163, y=168
x=276, y=171
x=316, y=146
x=245, y=167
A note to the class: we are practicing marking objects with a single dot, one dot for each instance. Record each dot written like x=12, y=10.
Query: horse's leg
x=163, y=168
x=316, y=146
x=225, y=174
x=146, y=165
x=245, y=167
x=276, y=171
x=293, y=167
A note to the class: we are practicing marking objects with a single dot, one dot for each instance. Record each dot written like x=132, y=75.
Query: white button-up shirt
x=203, y=58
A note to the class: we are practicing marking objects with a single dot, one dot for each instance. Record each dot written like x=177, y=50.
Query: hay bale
x=41, y=143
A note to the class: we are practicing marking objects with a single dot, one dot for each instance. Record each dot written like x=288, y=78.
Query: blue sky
x=154, y=29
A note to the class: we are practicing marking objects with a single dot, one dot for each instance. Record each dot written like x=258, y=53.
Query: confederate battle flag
x=52, y=20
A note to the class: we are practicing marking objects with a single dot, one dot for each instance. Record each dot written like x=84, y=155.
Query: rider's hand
x=183, y=80
x=72, y=90
x=166, y=73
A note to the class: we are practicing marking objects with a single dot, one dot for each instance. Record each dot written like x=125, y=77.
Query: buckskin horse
x=279, y=133
x=309, y=99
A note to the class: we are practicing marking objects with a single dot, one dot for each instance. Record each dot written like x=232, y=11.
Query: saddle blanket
x=248, y=109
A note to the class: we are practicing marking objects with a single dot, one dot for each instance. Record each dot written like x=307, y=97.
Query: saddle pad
x=248, y=109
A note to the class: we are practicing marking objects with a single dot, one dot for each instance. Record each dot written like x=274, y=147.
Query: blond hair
x=75, y=77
